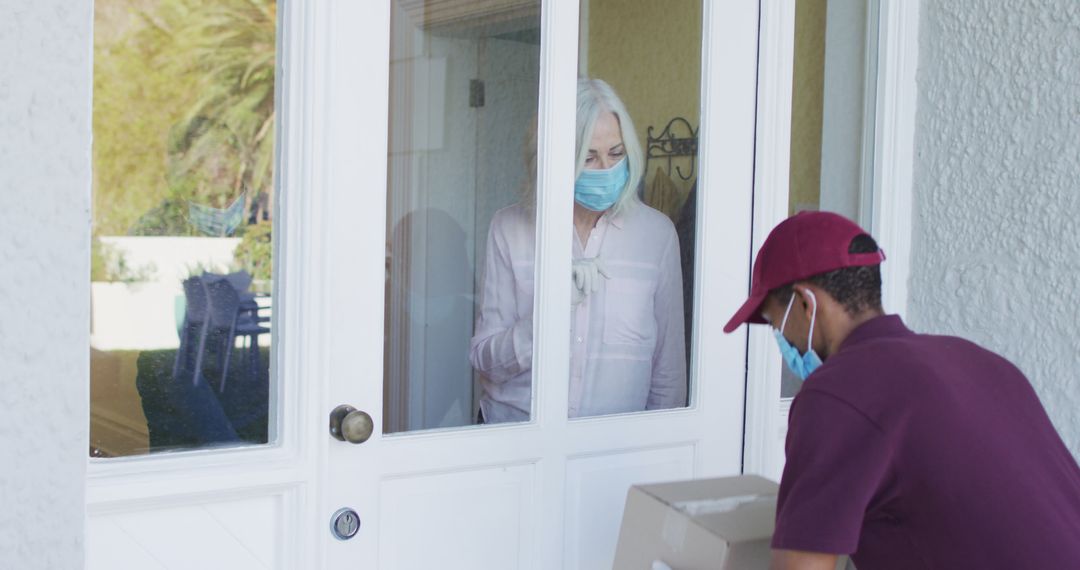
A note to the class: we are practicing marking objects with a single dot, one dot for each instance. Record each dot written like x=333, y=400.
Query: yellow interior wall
x=117, y=423
x=806, y=104
x=650, y=53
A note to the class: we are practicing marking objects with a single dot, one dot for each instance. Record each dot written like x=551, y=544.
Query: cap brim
x=749, y=312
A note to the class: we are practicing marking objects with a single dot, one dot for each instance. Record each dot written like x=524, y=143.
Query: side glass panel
x=460, y=244
x=832, y=114
x=635, y=205
x=183, y=198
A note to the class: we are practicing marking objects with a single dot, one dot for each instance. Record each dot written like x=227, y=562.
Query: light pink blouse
x=627, y=345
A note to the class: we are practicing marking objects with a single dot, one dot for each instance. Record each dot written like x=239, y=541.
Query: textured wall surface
x=45, y=86
x=996, y=226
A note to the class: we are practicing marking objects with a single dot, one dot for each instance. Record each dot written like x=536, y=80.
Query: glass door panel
x=464, y=88
x=832, y=115
x=633, y=254
x=833, y=106
x=182, y=256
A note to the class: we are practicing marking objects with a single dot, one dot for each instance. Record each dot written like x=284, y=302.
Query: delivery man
x=904, y=450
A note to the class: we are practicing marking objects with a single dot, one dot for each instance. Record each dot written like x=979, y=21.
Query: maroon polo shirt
x=918, y=451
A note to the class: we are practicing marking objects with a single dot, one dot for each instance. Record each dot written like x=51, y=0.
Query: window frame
x=891, y=205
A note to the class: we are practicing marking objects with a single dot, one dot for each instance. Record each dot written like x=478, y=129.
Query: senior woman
x=627, y=341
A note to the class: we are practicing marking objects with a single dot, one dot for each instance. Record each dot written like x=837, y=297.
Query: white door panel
x=547, y=493
x=214, y=534
x=596, y=486
x=464, y=518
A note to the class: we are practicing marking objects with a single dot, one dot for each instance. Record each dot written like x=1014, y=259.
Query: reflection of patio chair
x=185, y=414
x=230, y=316
x=240, y=281
x=192, y=330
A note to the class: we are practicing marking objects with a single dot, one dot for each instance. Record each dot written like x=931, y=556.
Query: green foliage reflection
x=183, y=111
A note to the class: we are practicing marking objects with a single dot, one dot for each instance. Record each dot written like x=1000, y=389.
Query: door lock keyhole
x=345, y=524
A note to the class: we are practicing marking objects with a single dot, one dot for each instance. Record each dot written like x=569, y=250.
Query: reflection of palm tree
x=226, y=139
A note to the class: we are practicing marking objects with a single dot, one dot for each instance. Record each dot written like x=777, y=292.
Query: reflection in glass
x=632, y=328
x=464, y=87
x=627, y=336
x=628, y=345
x=183, y=201
x=832, y=114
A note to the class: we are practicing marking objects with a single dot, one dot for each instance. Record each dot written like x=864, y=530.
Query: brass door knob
x=350, y=424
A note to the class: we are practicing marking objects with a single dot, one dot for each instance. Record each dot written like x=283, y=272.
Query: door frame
x=893, y=161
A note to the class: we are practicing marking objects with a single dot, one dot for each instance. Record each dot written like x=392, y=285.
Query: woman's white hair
x=594, y=98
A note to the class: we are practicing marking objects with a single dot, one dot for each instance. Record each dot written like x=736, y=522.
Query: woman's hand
x=586, y=273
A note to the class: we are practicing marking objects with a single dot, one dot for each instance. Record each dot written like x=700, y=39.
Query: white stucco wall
x=45, y=86
x=996, y=229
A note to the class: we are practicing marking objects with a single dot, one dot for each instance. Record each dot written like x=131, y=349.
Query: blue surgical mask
x=598, y=190
x=801, y=364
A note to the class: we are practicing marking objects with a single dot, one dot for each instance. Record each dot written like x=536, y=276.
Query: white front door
x=404, y=129
x=432, y=489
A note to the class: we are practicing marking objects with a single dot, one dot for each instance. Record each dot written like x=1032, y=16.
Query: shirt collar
x=615, y=220
x=884, y=326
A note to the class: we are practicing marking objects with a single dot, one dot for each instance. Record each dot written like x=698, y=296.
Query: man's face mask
x=598, y=190
x=801, y=364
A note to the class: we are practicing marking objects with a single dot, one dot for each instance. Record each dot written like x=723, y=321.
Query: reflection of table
x=258, y=307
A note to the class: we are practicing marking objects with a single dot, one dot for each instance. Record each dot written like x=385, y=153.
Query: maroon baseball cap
x=804, y=245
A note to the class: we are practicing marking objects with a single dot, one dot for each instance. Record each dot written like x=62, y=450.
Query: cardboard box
x=703, y=524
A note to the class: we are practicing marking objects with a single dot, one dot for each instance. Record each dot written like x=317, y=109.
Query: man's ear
x=803, y=299
x=804, y=302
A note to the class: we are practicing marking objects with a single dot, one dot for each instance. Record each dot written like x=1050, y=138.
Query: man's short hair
x=856, y=288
